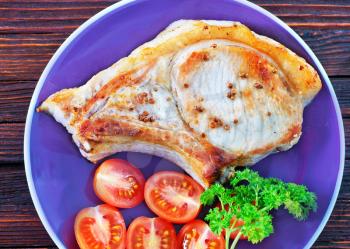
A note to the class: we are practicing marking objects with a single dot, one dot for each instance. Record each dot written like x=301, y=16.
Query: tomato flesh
x=100, y=227
x=197, y=234
x=151, y=233
x=173, y=196
x=119, y=183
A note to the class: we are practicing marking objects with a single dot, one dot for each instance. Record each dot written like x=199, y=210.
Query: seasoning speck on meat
x=232, y=93
x=205, y=57
x=215, y=123
x=243, y=75
x=141, y=98
x=151, y=101
x=146, y=117
x=199, y=108
x=258, y=86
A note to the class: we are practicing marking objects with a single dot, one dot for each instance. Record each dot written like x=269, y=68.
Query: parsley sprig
x=250, y=198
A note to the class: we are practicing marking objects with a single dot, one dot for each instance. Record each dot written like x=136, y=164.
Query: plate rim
x=90, y=21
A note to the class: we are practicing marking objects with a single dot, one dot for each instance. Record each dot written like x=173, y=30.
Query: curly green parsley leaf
x=250, y=198
x=299, y=201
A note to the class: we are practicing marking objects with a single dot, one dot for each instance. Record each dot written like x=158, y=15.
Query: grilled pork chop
x=203, y=94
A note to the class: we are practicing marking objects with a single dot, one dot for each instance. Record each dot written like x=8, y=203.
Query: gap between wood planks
x=15, y=97
x=24, y=56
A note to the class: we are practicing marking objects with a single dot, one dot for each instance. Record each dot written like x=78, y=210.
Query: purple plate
x=60, y=179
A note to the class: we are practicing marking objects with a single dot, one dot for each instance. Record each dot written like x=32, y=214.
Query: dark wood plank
x=64, y=16
x=337, y=231
x=48, y=17
x=14, y=101
x=293, y=2
x=331, y=46
x=310, y=13
x=30, y=32
x=15, y=97
x=18, y=216
x=30, y=247
x=19, y=223
x=342, y=89
x=11, y=143
x=24, y=56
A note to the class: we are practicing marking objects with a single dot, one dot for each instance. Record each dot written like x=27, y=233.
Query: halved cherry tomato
x=151, y=233
x=237, y=224
x=197, y=234
x=173, y=196
x=100, y=227
x=119, y=183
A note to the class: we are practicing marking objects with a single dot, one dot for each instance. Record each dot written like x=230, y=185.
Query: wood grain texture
x=15, y=97
x=342, y=90
x=24, y=56
x=19, y=223
x=14, y=102
x=11, y=143
x=32, y=30
x=65, y=16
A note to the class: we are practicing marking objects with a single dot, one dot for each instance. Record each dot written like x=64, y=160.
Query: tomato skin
x=100, y=227
x=150, y=233
x=173, y=196
x=197, y=234
x=119, y=183
x=237, y=224
x=234, y=234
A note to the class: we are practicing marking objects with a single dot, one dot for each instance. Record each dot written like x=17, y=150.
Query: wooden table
x=31, y=31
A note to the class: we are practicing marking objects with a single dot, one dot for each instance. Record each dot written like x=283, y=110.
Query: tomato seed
x=116, y=227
